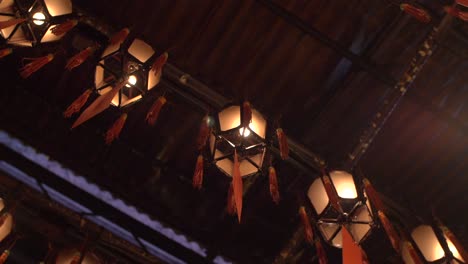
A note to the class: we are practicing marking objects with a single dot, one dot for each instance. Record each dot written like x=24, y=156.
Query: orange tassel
x=120, y=36
x=458, y=246
x=35, y=65
x=420, y=14
x=153, y=113
x=4, y=256
x=246, y=114
x=203, y=133
x=231, y=202
x=373, y=196
x=390, y=230
x=5, y=52
x=321, y=254
x=283, y=143
x=237, y=184
x=79, y=102
x=79, y=58
x=274, y=190
x=114, y=131
x=198, y=174
x=462, y=2
x=331, y=193
x=456, y=13
x=3, y=218
x=61, y=29
x=412, y=252
x=11, y=22
x=159, y=64
x=308, y=232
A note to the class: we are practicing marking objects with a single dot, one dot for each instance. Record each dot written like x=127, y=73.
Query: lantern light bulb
x=132, y=80
x=39, y=18
x=245, y=133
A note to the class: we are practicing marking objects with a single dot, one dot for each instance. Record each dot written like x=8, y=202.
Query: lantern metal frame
x=117, y=63
x=348, y=217
x=448, y=257
x=223, y=143
x=32, y=33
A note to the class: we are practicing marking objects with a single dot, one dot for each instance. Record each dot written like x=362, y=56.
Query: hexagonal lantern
x=130, y=60
x=41, y=16
x=229, y=135
x=428, y=246
x=356, y=214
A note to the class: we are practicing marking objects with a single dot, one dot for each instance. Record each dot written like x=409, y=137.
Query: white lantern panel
x=7, y=226
x=344, y=184
x=318, y=196
x=338, y=240
x=153, y=80
x=427, y=242
x=58, y=7
x=245, y=167
x=358, y=231
x=229, y=118
x=66, y=257
x=49, y=37
x=99, y=76
x=140, y=50
x=258, y=124
x=328, y=229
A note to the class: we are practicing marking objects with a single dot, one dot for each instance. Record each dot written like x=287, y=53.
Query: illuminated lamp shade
x=41, y=15
x=429, y=246
x=132, y=61
x=228, y=135
x=7, y=226
x=66, y=256
x=356, y=215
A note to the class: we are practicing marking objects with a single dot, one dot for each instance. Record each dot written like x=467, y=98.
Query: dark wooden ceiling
x=243, y=50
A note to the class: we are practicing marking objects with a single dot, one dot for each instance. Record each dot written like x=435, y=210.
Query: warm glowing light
x=132, y=80
x=344, y=184
x=439, y=252
x=245, y=133
x=39, y=18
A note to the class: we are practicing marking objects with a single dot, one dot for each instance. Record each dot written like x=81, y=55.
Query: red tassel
x=321, y=254
x=114, y=131
x=390, y=230
x=5, y=52
x=231, y=201
x=456, y=13
x=283, y=143
x=420, y=14
x=412, y=252
x=153, y=113
x=120, y=36
x=4, y=256
x=159, y=63
x=198, y=174
x=61, y=29
x=11, y=22
x=373, y=196
x=462, y=2
x=458, y=246
x=308, y=232
x=76, y=106
x=331, y=193
x=274, y=190
x=246, y=114
x=203, y=133
x=237, y=183
x=79, y=58
x=35, y=65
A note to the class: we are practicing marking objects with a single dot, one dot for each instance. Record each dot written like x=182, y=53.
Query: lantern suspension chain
x=392, y=99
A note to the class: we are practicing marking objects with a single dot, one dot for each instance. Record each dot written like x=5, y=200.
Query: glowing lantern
x=36, y=20
x=354, y=211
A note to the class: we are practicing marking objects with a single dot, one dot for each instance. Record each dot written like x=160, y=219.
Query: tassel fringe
x=159, y=63
x=79, y=58
x=308, y=232
x=11, y=22
x=331, y=193
x=76, y=106
x=153, y=113
x=390, y=230
x=420, y=14
x=283, y=143
x=321, y=254
x=114, y=131
x=412, y=252
x=5, y=52
x=231, y=201
x=197, y=181
x=246, y=114
x=120, y=36
x=237, y=183
x=35, y=65
x=274, y=190
x=373, y=196
x=62, y=29
x=204, y=133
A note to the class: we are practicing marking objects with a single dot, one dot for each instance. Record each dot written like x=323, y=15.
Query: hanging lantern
x=28, y=23
x=339, y=203
x=6, y=222
x=72, y=256
x=429, y=247
x=231, y=132
x=129, y=60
